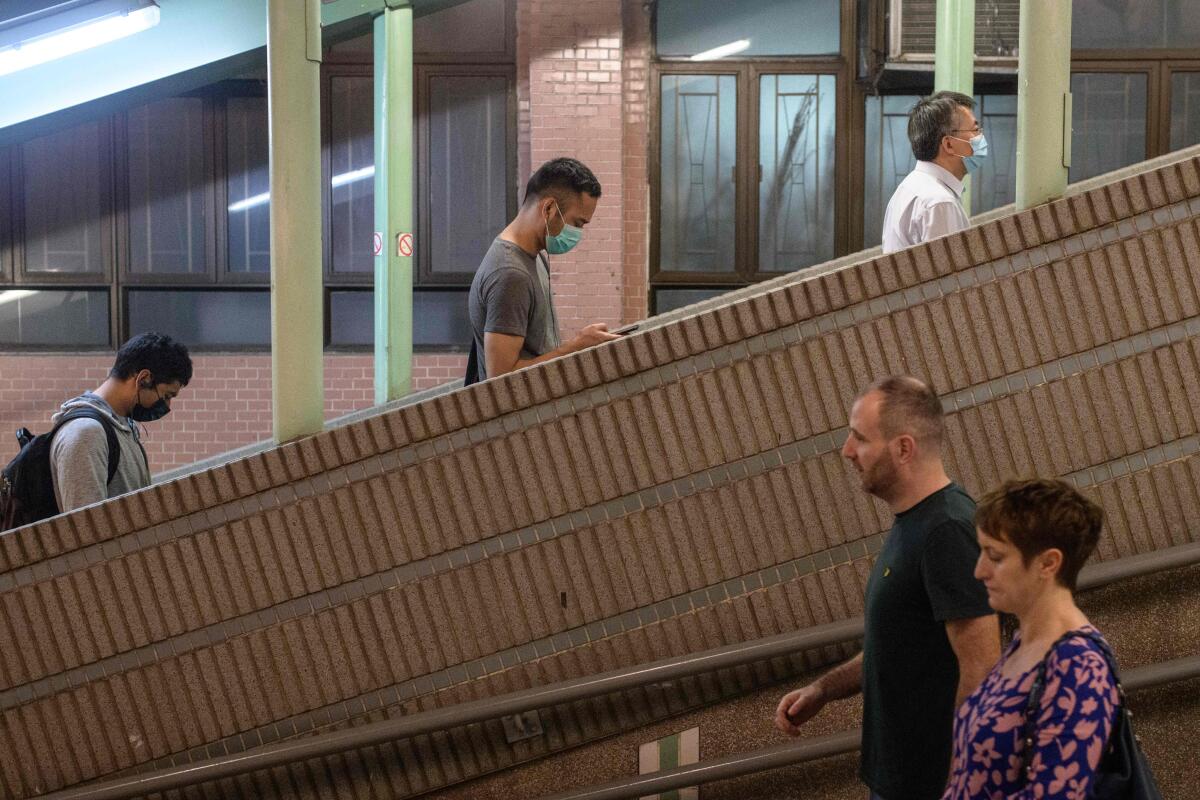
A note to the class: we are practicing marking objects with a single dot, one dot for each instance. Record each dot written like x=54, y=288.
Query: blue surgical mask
x=979, y=152
x=565, y=240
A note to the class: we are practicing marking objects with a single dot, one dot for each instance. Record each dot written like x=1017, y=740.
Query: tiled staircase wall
x=675, y=490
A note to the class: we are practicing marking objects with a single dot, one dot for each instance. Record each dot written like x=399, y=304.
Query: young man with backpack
x=94, y=450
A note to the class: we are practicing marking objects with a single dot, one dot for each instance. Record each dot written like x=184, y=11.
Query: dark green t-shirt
x=922, y=577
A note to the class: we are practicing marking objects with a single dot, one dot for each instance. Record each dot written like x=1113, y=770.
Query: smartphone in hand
x=628, y=329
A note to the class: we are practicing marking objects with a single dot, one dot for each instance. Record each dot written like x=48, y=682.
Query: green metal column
x=1043, y=102
x=394, y=237
x=954, y=57
x=293, y=99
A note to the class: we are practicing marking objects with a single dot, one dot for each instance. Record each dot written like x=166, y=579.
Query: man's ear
x=904, y=448
x=144, y=377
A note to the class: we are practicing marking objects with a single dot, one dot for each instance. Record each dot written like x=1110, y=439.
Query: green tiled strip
x=634, y=384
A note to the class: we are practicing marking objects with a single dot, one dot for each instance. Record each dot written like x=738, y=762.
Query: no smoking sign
x=404, y=244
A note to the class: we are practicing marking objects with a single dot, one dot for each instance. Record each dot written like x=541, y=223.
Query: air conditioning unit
x=912, y=32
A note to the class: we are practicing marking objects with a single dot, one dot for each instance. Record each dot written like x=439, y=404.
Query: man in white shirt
x=947, y=143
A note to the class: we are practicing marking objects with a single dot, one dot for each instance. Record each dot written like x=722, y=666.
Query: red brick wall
x=574, y=100
x=227, y=405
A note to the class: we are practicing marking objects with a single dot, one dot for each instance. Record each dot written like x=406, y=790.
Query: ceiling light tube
x=77, y=27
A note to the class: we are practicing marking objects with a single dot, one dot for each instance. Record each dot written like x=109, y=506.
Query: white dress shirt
x=926, y=204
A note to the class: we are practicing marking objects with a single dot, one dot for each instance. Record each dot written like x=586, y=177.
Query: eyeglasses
x=976, y=129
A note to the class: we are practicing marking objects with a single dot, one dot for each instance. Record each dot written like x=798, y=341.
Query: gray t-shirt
x=511, y=294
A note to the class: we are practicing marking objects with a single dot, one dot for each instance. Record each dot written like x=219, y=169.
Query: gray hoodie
x=79, y=457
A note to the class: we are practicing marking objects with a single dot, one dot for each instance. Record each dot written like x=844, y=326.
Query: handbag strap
x=1039, y=686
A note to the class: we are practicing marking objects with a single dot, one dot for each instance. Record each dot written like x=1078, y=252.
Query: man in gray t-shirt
x=513, y=322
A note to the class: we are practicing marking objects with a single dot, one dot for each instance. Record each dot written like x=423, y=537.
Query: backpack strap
x=110, y=433
x=1039, y=686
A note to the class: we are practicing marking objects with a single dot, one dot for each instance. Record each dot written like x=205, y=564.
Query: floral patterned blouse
x=1077, y=711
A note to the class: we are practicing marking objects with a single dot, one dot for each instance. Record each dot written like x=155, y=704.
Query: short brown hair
x=1038, y=514
x=909, y=406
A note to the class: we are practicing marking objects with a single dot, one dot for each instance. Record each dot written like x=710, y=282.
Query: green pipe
x=954, y=57
x=394, y=231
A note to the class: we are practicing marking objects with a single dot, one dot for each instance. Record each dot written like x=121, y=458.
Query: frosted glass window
x=166, y=187
x=206, y=318
x=797, y=128
x=54, y=318
x=64, y=210
x=468, y=169
x=1133, y=24
x=249, y=185
x=1108, y=122
x=748, y=27
x=352, y=163
x=699, y=145
x=1185, y=109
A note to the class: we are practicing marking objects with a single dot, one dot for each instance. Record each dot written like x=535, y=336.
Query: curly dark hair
x=167, y=359
x=560, y=177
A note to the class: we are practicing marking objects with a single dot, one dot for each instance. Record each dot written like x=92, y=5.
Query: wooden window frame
x=848, y=153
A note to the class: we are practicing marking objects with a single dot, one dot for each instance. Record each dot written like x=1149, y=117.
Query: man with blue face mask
x=948, y=144
x=101, y=427
x=513, y=321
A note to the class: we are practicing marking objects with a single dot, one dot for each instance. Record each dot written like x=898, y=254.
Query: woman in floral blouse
x=1034, y=537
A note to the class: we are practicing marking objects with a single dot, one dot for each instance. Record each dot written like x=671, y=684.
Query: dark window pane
x=1185, y=109
x=352, y=161
x=1108, y=122
x=796, y=194
x=54, y=317
x=439, y=318
x=63, y=207
x=699, y=144
x=351, y=318
x=477, y=26
x=249, y=185
x=468, y=187
x=1133, y=24
x=203, y=318
x=670, y=299
x=166, y=187
x=748, y=27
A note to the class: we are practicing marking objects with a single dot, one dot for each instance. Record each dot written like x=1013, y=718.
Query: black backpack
x=27, y=483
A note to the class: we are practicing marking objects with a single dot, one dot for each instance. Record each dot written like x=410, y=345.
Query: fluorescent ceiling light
x=338, y=180
x=71, y=28
x=724, y=50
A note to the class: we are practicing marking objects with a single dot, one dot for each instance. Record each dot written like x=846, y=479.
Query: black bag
x=27, y=483
x=1123, y=772
x=472, y=366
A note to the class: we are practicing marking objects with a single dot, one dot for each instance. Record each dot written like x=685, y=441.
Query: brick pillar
x=635, y=166
x=574, y=108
